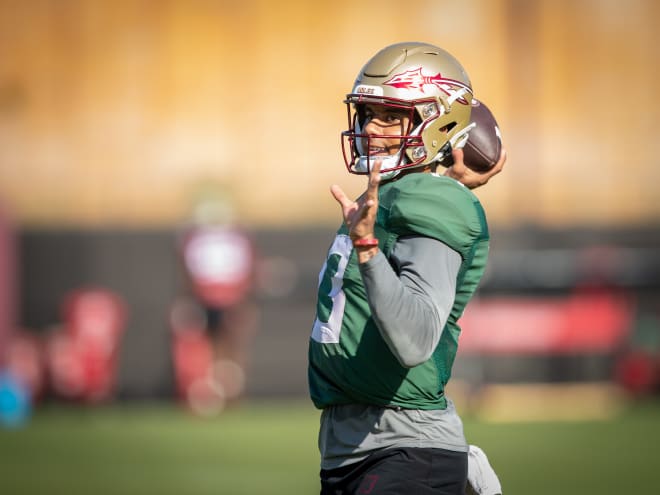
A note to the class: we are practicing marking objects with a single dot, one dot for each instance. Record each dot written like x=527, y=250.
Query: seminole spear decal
x=413, y=79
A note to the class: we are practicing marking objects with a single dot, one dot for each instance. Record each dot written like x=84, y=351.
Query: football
x=484, y=145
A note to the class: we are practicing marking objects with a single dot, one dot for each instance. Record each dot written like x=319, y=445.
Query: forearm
x=409, y=309
x=407, y=322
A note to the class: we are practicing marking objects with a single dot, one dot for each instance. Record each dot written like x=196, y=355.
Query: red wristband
x=366, y=242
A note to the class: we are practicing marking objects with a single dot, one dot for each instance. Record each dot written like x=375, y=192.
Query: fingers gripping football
x=482, y=155
x=483, y=148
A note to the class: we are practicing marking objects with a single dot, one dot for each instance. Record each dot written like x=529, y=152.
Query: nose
x=373, y=126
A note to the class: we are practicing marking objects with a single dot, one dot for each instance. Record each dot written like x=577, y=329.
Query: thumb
x=457, y=154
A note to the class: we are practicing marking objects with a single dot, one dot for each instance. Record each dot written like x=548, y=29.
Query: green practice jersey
x=349, y=362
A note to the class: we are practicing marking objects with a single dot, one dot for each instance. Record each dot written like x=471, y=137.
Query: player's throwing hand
x=471, y=178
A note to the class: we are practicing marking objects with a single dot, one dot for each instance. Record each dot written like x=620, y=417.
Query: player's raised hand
x=360, y=216
x=471, y=178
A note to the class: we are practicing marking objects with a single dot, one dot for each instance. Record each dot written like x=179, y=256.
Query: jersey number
x=331, y=297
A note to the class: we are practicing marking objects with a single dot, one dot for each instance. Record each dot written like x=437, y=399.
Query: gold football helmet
x=426, y=81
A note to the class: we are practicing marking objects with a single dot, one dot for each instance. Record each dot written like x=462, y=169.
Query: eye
x=392, y=117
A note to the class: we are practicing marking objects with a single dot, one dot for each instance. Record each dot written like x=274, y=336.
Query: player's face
x=383, y=125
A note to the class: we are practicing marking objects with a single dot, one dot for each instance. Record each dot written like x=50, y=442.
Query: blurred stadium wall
x=112, y=111
x=541, y=278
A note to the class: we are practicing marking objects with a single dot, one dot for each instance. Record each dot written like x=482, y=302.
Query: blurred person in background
x=399, y=273
x=218, y=257
x=82, y=351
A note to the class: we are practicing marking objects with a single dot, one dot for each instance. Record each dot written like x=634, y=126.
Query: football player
x=402, y=267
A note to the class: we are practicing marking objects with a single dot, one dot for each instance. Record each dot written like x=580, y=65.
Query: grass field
x=270, y=449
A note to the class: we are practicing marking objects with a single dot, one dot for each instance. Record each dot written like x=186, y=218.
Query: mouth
x=383, y=150
x=378, y=151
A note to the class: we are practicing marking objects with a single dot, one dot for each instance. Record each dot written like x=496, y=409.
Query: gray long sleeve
x=410, y=296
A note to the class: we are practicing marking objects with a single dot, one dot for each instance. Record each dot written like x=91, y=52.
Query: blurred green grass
x=269, y=448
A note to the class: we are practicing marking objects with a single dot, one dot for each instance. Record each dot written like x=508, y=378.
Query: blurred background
x=158, y=155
